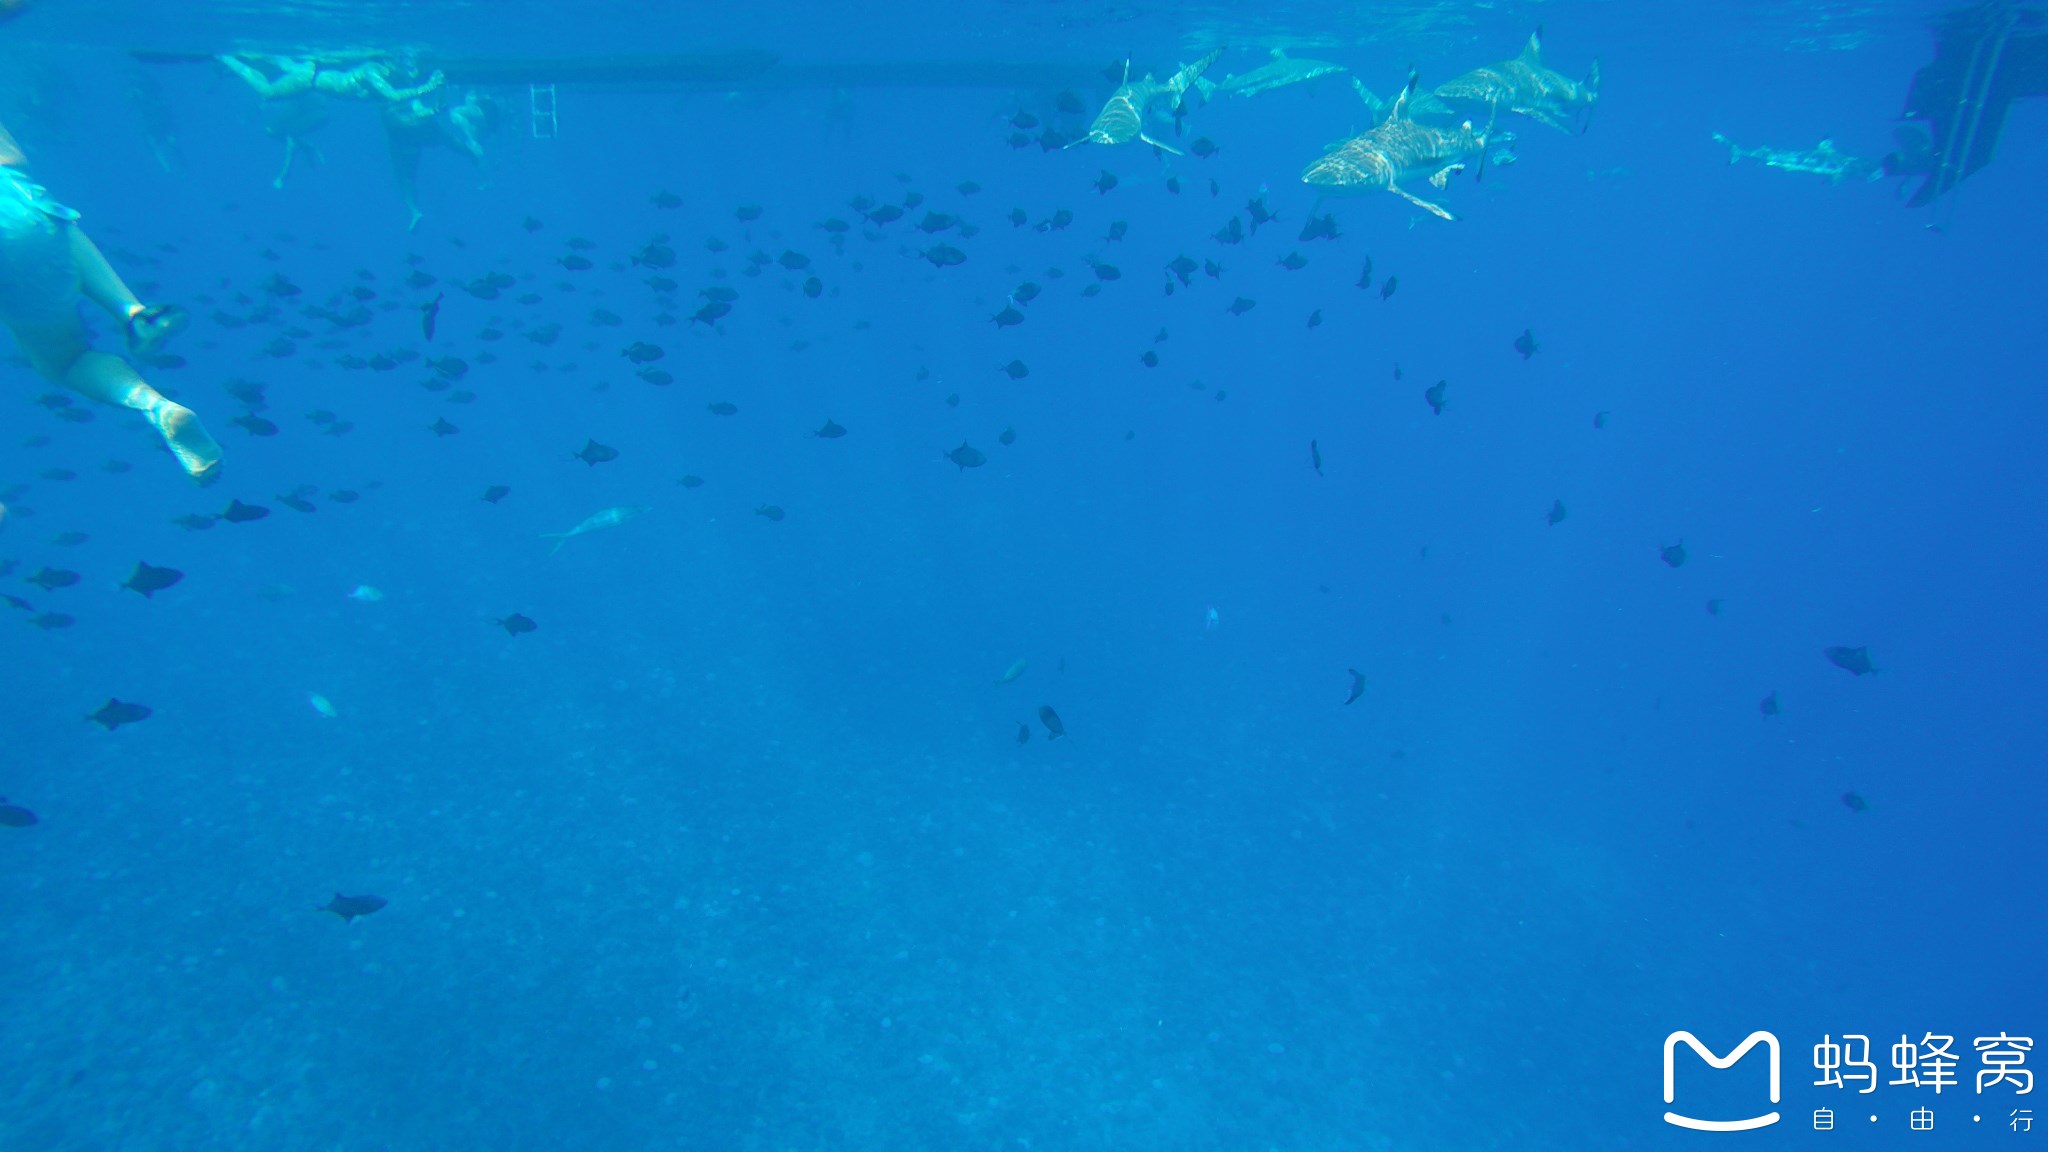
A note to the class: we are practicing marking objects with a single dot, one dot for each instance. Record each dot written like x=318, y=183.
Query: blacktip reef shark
x=1823, y=159
x=1122, y=118
x=1279, y=72
x=609, y=518
x=1523, y=85
x=1394, y=150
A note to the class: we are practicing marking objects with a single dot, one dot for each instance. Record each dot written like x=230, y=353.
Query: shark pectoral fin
x=1419, y=202
x=1442, y=176
x=1157, y=144
x=1088, y=139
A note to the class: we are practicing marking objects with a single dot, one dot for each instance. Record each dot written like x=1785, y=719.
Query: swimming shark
x=1823, y=159
x=1122, y=118
x=1394, y=150
x=1523, y=85
x=609, y=518
x=1279, y=72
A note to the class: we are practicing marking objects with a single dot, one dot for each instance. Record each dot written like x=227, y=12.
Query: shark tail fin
x=560, y=538
x=1189, y=74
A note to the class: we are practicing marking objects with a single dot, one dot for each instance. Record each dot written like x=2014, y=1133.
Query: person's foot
x=150, y=328
x=197, y=452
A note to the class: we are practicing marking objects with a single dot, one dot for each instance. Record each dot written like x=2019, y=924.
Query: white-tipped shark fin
x=1532, y=52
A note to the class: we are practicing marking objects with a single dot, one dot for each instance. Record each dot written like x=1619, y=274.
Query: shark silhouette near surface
x=1398, y=148
x=1524, y=86
x=1278, y=72
x=1122, y=118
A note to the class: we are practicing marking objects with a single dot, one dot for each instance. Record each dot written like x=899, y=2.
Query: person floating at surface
x=411, y=125
x=47, y=264
x=364, y=80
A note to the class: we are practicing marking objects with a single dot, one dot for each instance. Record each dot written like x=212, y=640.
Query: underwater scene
x=1022, y=575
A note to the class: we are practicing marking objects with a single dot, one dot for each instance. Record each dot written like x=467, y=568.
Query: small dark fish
x=429, y=313
x=517, y=625
x=496, y=492
x=1256, y=209
x=574, y=263
x=1599, y=419
x=579, y=244
x=885, y=214
x=1714, y=607
x=1023, y=733
x=51, y=579
x=641, y=352
x=770, y=512
x=1855, y=803
x=1293, y=262
x=1315, y=458
x=1017, y=217
x=1212, y=269
x=967, y=187
x=1357, y=685
x=14, y=815
x=450, y=367
x=1060, y=220
x=656, y=376
x=1315, y=318
x=149, y=580
x=280, y=287
x=350, y=907
x=1183, y=269
x=814, y=287
x=1173, y=185
x=1242, y=305
x=710, y=312
x=747, y=213
x=945, y=256
x=1322, y=227
x=240, y=513
x=967, y=456
x=13, y=601
x=344, y=496
x=1855, y=661
x=1434, y=396
x=115, y=713
x=592, y=453
x=720, y=293
x=722, y=408
x=691, y=481
x=55, y=473
x=441, y=427
x=935, y=222
x=666, y=200
x=1118, y=229
x=1673, y=554
x=1231, y=233
x=51, y=621
x=1104, y=182
x=296, y=502
x=1024, y=120
x=793, y=261
x=605, y=318
x=1556, y=514
x=254, y=425
x=1526, y=344
x=835, y=226
x=655, y=255
x=1768, y=705
x=530, y=224
x=1051, y=719
x=1007, y=318
x=1025, y=293
x=196, y=522
x=832, y=430
x=1069, y=102
x=1365, y=274
x=1387, y=288
x=1150, y=359
x=660, y=283
x=1008, y=437
x=1203, y=148
x=952, y=399
x=1016, y=370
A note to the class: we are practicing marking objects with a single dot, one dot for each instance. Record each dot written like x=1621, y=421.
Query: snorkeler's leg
x=405, y=167
x=257, y=80
x=147, y=327
x=291, y=145
x=111, y=380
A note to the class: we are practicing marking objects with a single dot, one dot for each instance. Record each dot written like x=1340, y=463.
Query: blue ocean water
x=739, y=848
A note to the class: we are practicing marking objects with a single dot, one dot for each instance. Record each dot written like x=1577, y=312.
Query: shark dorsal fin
x=1532, y=52
x=1400, y=109
x=1279, y=53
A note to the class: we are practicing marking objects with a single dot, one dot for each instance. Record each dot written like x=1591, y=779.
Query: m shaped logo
x=1671, y=1044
